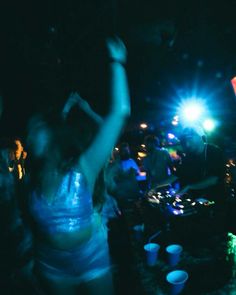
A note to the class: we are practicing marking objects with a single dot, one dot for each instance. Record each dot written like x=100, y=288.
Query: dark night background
x=49, y=48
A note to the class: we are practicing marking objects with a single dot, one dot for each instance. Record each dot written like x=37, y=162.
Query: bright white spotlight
x=208, y=124
x=192, y=110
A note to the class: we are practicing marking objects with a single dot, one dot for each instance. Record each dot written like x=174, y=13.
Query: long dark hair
x=67, y=139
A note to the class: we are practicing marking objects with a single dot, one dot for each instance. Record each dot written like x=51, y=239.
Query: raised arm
x=168, y=181
x=208, y=182
x=76, y=99
x=99, y=151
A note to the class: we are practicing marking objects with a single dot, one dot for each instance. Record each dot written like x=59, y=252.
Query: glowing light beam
x=209, y=125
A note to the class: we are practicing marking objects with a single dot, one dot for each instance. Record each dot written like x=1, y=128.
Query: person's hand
x=183, y=190
x=71, y=101
x=74, y=99
x=116, y=50
x=83, y=104
x=162, y=185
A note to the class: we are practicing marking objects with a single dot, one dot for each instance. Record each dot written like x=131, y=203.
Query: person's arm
x=99, y=151
x=168, y=181
x=215, y=170
x=84, y=105
x=212, y=180
x=135, y=167
x=70, y=103
x=76, y=99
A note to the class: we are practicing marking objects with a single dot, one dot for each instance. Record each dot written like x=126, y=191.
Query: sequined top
x=70, y=210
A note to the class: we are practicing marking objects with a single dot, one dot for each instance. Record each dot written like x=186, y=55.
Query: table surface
x=210, y=259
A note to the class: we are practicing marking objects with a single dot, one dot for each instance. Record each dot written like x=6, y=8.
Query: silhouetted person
x=157, y=163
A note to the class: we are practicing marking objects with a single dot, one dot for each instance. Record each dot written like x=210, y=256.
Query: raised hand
x=82, y=103
x=184, y=190
x=68, y=105
x=116, y=49
x=74, y=99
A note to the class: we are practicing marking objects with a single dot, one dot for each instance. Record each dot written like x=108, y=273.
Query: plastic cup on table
x=151, y=250
x=173, y=254
x=138, y=231
x=177, y=280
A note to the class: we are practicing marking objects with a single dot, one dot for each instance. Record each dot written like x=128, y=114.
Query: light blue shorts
x=81, y=264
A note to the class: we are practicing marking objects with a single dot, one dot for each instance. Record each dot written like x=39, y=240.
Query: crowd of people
x=55, y=209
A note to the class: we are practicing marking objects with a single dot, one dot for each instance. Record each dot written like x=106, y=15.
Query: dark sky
x=49, y=48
